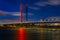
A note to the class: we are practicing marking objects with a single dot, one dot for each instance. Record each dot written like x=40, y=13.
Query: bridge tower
x=26, y=12
x=21, y=15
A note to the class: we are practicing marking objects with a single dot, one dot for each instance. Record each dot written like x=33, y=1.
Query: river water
x=31, y=34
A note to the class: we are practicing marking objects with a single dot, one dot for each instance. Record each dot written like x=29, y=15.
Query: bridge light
x=1, y=25
x=57, y=24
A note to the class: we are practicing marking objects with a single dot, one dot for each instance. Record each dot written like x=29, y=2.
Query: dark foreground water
x=7, y=34
x=31, y=34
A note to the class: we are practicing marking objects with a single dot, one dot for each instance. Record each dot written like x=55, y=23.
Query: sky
x=37, y=9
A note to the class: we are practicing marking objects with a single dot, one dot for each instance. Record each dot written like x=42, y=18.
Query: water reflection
x=32, y=34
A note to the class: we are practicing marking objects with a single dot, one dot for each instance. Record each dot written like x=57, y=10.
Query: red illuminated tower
x=21, y=15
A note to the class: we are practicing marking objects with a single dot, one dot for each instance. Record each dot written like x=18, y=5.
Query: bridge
x=50, y=21
x=47, y=21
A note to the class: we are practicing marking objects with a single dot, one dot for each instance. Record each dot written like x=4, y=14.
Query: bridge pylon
x=21, y=14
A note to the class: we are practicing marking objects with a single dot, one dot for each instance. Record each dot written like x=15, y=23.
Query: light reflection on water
x=33, y=34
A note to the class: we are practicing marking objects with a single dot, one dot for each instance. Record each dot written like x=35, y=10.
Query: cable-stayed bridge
x=46, y=20
x=51, y=21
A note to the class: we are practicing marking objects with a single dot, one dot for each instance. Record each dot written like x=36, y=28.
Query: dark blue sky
x=36, y=8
